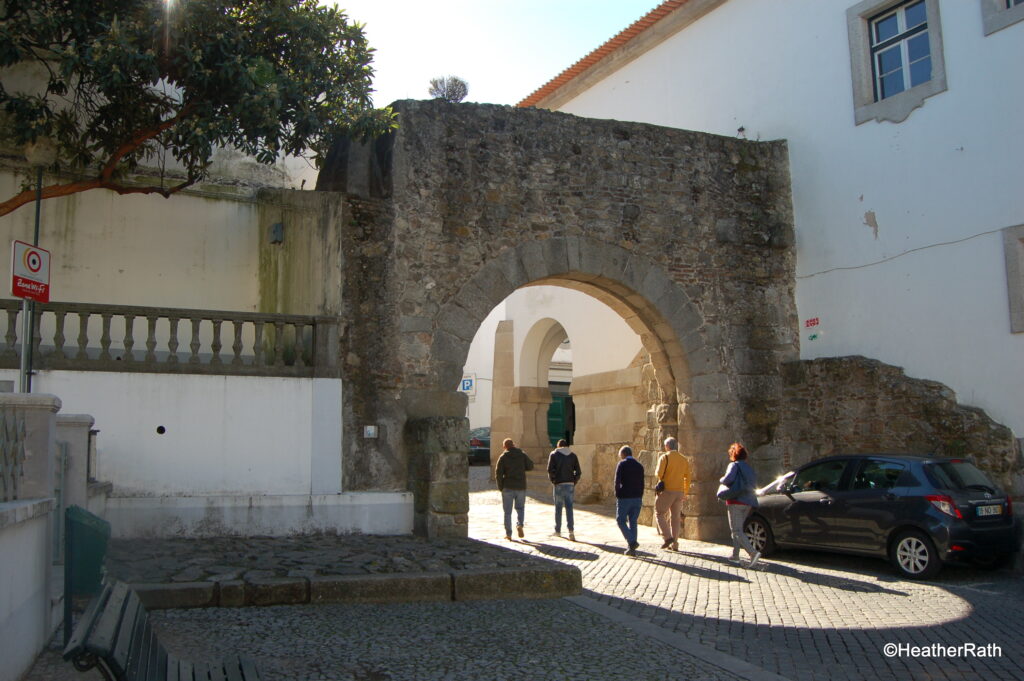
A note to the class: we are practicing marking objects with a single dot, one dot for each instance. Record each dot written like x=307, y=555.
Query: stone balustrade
x=94, y=337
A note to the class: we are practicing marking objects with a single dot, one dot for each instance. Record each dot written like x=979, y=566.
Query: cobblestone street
x=794, y=614
x=661, y=615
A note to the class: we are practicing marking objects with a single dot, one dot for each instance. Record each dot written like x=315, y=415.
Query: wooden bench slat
x=200, y=671
x=186, y=671
x=217, y=672
x=142, y=645
x=121, y=654
x=157, y=662
x=233, y=669
x=171, y=670
x=85, y=624
x=249, y=672
x=102, y=640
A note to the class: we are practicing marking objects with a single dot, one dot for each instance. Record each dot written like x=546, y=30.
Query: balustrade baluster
x=83, y=336
x=105, y=337
x=129, y=337
x=12, y=336
x=216, y=344
x=300, y=345
x=257, y=345
x=172, y=341
x=194, y=358
x=278, y=344
x=58, y=335
x=151, y=338
x=237, y=345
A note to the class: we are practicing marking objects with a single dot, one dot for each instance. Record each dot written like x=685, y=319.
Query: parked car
x=480, y=446
x=918, y=511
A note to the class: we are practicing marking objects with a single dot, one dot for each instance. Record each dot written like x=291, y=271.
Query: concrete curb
x=549, y=581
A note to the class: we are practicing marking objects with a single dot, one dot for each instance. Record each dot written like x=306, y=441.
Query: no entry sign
x=30, y=272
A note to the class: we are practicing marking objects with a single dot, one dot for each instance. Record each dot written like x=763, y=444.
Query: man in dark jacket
x=629, y=490
x=510, y=475
x=564, y=472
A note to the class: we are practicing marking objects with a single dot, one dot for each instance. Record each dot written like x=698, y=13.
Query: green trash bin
x=86, y=535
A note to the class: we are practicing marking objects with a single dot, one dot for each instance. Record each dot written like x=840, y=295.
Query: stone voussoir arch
x=698, y=400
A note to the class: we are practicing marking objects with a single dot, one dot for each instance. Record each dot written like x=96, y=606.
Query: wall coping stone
x=23, y=510
x=30, y=401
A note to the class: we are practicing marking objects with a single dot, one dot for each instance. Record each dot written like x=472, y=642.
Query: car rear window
x=958, y=475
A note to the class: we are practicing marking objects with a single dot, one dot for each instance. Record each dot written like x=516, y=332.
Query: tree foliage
x=449, y=88
x=126, y=83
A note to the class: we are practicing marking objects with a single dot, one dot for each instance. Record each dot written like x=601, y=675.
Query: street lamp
x=39, y=154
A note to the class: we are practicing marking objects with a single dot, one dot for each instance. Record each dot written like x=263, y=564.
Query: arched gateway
x=688, y=236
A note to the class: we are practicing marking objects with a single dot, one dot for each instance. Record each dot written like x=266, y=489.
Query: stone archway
x=687, y=236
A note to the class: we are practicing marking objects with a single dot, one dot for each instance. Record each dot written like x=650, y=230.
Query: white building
x=905, y=139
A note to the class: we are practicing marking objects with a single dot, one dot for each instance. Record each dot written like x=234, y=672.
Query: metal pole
x=31, y=315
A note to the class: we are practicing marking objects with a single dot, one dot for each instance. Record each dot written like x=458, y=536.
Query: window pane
x=921, y=71
x=917, y=47
x=890, y=60
x=886, y=28
x=916, y=15
x=892, y=84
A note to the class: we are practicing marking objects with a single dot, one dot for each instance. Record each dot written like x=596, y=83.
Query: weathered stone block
x=276, y=591
x=231, y=594
x=404, y=588
x=554, y=581
x=176, y=595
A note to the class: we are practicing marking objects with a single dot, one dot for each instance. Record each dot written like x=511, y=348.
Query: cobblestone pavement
x=796, y=614
x=662, y=615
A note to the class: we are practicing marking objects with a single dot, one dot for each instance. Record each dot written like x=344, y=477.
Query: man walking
x=674, y=480
x=564, y=472
x=629, y=490
x=510, y=475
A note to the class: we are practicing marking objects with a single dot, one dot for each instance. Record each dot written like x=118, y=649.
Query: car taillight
x=475, y=443
x=945, y=504
x=1009, y=506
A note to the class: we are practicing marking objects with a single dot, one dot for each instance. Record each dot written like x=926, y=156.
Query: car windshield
x=959, y=475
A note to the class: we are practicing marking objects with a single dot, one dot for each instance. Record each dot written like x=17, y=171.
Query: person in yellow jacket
x=673, y=475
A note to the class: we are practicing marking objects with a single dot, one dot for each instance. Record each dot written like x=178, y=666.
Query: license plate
x=990, y=510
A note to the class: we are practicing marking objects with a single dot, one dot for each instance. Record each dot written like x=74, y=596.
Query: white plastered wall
x=899, y=253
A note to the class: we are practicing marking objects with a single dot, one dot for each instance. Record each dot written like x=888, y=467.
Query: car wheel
x=914, y=555
x=760, y=535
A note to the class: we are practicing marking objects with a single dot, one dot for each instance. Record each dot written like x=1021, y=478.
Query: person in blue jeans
x=564, y=472
x=510, y=476
x=629, y=490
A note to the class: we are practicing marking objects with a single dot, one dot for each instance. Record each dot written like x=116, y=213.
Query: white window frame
x=998, y=14
x=898, y=107
x=1013, y=250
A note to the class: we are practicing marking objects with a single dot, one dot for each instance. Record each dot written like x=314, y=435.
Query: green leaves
x=128, y=79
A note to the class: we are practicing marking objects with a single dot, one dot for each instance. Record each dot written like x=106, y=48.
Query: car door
x=806, y=519
x=867, y=507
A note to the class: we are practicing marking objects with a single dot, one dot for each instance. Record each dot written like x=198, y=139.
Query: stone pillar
x=39, y=412
x=439, y=476
x=74, y=430
x=530, y=422
x=501, y=388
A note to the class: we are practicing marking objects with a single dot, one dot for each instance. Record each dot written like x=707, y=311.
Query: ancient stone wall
x=858, y=405
x=688, y=235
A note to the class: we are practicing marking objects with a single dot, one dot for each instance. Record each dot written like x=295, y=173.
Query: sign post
x=30, y=280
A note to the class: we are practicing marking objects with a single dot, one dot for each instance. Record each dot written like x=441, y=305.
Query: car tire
x=914, y=556
x=760, y=534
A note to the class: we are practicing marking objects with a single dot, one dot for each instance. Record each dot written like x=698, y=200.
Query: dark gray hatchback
x=917, y=511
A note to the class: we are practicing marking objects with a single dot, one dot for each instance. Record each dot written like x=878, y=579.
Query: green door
x=556, y=419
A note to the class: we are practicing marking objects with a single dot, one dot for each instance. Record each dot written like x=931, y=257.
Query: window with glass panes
x=900, y=52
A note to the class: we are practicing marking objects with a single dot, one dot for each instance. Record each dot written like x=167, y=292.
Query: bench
x=115, y=635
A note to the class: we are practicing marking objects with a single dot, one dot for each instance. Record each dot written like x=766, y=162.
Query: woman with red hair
x=740, y=480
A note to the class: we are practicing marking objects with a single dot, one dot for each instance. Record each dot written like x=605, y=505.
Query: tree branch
x=58, y=190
